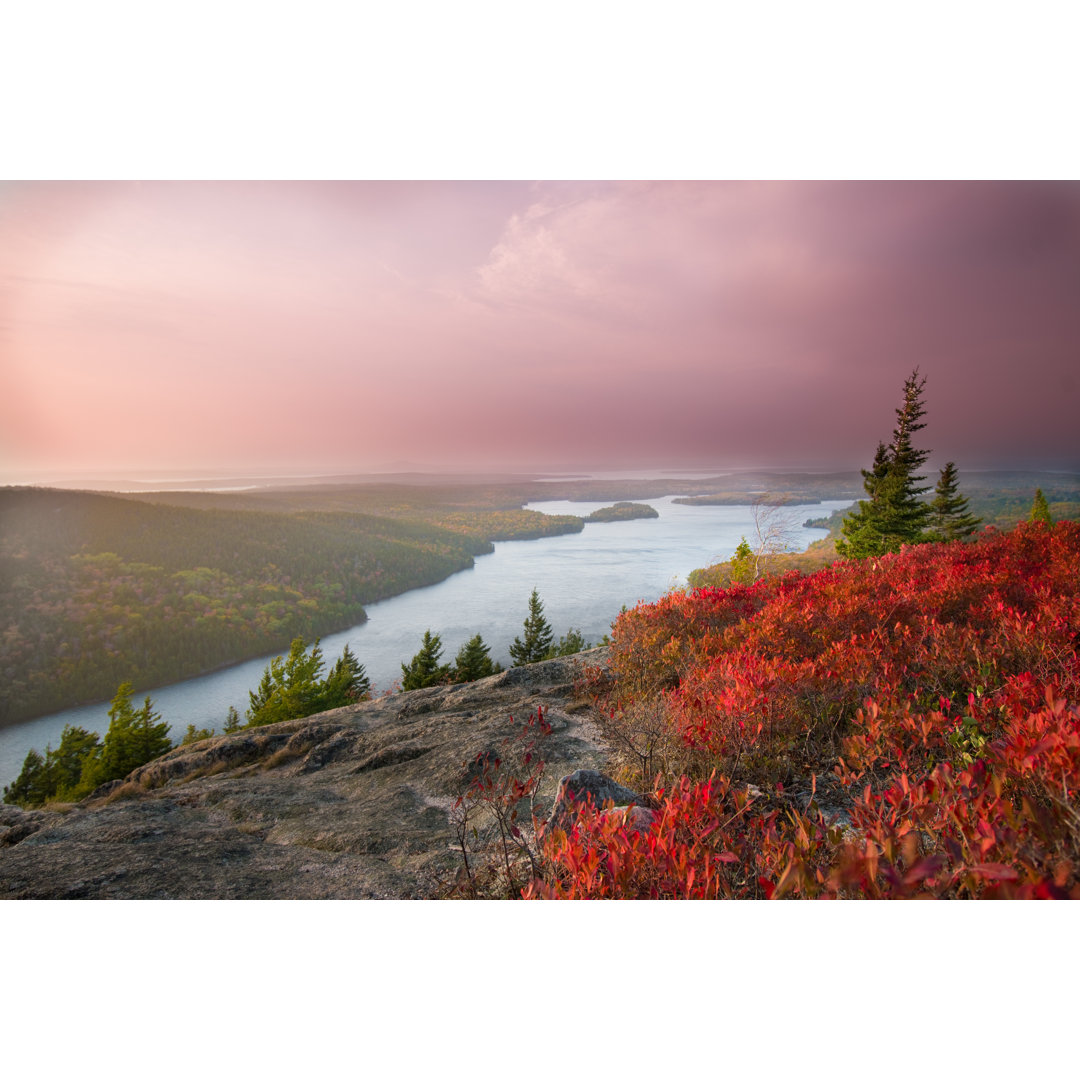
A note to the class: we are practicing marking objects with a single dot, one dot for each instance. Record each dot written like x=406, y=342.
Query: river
x=583, y=579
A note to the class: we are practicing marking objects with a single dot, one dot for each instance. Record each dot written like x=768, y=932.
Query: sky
x=372, y=326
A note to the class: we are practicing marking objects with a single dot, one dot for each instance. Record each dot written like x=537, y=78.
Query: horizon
x=357, y=328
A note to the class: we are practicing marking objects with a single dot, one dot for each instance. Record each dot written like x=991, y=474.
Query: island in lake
x=624, y=511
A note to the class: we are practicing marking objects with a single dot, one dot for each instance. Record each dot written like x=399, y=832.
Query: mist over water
x=583, y=579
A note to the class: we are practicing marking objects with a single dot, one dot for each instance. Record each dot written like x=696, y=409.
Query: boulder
x=587, y=786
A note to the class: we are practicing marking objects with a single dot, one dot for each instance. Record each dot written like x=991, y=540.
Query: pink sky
x=356, y=326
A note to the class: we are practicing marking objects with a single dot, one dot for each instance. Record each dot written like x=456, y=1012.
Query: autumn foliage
x=893, y=727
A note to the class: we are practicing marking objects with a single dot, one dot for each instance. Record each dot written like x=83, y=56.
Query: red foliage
x=935, y=682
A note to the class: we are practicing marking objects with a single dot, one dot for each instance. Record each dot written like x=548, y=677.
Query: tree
x=346, y=683
x=424, y=669
x=538, y=635
x=742, y=564
x=135, y=736
x=774, y=530
x=1040, y=509
x=232, y=721
x=474, y=661
x=30, y=787
x=290, y=686
x=573, y=641
x=57, y=775
x=65, y=764
x=893, y=514
x=949, y=517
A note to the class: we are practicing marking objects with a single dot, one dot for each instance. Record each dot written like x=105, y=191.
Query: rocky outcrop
x=351, y=803
x=589, y=787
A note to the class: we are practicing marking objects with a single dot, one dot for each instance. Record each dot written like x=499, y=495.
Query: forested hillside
x=96, y=590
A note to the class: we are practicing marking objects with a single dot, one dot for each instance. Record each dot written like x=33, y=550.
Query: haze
x=350, y=327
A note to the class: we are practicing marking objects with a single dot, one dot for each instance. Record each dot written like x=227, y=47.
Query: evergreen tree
x=893, y=514
x=570, y=643
x=290, y=686
x=1040, y=509
x=65, y=764
x=573, y=641
x=474, y=661
x=949, y=515
x=538, y=635
x=135, y=736
x=424, y=669
x=232, y=721
x=57, y=775
x=346, y=683
x=30, y=787
x=742, y=564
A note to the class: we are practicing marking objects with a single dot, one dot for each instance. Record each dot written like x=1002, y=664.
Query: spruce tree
x=1040, y=509
x=893, y=514
x=949, y=515
x=573, y=641
x=346, y=683
x=538, y=635
x=135, y=736
x=290, y=686
x=30, y=787
x=424, y=669
x=741, y=564
x=474, y=661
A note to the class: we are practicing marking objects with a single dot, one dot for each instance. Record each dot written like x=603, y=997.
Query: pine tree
x=573, y=641
x=474, y=661
x=538, y=635
x=57, y=775
x=424, y=669
x=30, y=787
x=346, y=683
x=949, y=515
x=290, y=686
x=232, y=721
x=135, y=736
x=894, y=514
x=1040, y=509
x=741, y=564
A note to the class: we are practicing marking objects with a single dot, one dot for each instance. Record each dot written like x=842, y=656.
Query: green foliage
x=1040, y=509
x=950, y=518
x=893, y=514
x=424, y=669
x=538, y=635
x=474, y=661
x=346, y=683
x=573, y=641
x=135, y=736
x=56, y=776
x=194, y=734
x=290, y=686
x=624, y=511
x=96, y=590
x=232, y=721
x=742, y=564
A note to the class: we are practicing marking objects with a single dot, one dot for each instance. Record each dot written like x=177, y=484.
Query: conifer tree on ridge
x=538, y=635
x=894, y=514
x=949, y=515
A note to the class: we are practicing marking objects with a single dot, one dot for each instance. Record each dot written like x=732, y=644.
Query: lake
x=583, y=579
